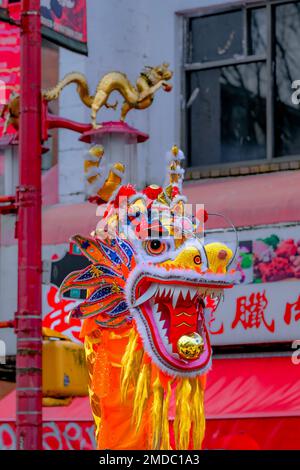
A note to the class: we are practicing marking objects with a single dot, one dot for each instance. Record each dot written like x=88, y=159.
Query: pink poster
x=9, y=65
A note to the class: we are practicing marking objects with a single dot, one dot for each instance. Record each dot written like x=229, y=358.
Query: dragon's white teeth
x=193, y=293
x=175, y=296
x=184, y=292
x=173, y=292
x=160, y=290
x=167, y=291
x=146, y=296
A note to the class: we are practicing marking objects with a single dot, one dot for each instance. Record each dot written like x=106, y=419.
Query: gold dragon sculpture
x=139, y=96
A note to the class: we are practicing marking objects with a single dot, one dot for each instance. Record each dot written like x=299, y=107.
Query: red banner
x=59, y=435
x=64, y=22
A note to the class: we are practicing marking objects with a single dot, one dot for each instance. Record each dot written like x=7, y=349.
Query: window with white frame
x=239, y=68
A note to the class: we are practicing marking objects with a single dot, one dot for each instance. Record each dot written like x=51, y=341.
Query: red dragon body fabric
x=149, y=286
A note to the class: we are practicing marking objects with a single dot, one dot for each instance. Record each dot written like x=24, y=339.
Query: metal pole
x=29, y=334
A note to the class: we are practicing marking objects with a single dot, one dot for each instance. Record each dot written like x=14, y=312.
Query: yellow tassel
x=165, y=437
x=127, y=363
x=136, y=365
x=157, y=410
x=198, y=415
x=183, y=420
x=95, y=406
x=142, y=394
x=94, y=399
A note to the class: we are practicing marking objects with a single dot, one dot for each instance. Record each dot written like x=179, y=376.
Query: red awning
x=253, y=403
x=253, y=387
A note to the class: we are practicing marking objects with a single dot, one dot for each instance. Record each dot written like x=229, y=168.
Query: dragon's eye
x=155, y=247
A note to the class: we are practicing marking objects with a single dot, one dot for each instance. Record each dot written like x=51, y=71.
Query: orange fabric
x=116, y=431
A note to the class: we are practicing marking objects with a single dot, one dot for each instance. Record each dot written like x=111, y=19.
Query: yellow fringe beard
x=152, y=391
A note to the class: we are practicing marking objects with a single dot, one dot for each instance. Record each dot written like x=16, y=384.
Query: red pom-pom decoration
x=152, y=192
x=125, y=191
x=175, y=191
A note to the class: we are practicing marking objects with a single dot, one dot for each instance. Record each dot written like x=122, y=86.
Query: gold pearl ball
x=190, y=346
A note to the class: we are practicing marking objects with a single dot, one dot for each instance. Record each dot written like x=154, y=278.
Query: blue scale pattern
x=111, y=254
x=126, y=249
x=120, y=308
x=101, y=293
x=105, y=270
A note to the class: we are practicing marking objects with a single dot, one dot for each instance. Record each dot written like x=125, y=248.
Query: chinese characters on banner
x=64, y=22
x=57, y=435
x=250, y=311
x=57, y=316
x=292, y=312
x=265, y=306
x=258, y=314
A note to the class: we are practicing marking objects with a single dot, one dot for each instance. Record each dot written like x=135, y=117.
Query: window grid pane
x=227, y=114
x=228, y=107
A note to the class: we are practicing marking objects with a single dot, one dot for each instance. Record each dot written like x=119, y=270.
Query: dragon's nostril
x=222, y=254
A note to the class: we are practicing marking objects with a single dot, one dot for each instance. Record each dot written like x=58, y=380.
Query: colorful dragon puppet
x=149, y=287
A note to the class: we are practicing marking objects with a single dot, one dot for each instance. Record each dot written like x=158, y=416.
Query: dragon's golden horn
x=113, y=180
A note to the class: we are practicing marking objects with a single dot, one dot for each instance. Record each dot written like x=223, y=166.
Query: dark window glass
x=258, y=31
x=227, y=114
x=287, y=115
x=216, y=37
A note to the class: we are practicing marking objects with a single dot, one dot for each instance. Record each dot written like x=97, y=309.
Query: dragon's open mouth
x=170, y=317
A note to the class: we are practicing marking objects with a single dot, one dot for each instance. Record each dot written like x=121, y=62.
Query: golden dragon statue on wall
x=139, y=96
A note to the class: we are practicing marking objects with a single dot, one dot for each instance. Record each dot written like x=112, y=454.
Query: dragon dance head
x=152, y=274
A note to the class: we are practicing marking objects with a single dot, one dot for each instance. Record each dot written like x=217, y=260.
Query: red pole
x=29, y=328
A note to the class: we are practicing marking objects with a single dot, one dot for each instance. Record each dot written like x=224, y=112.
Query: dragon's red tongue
x=181, y=320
